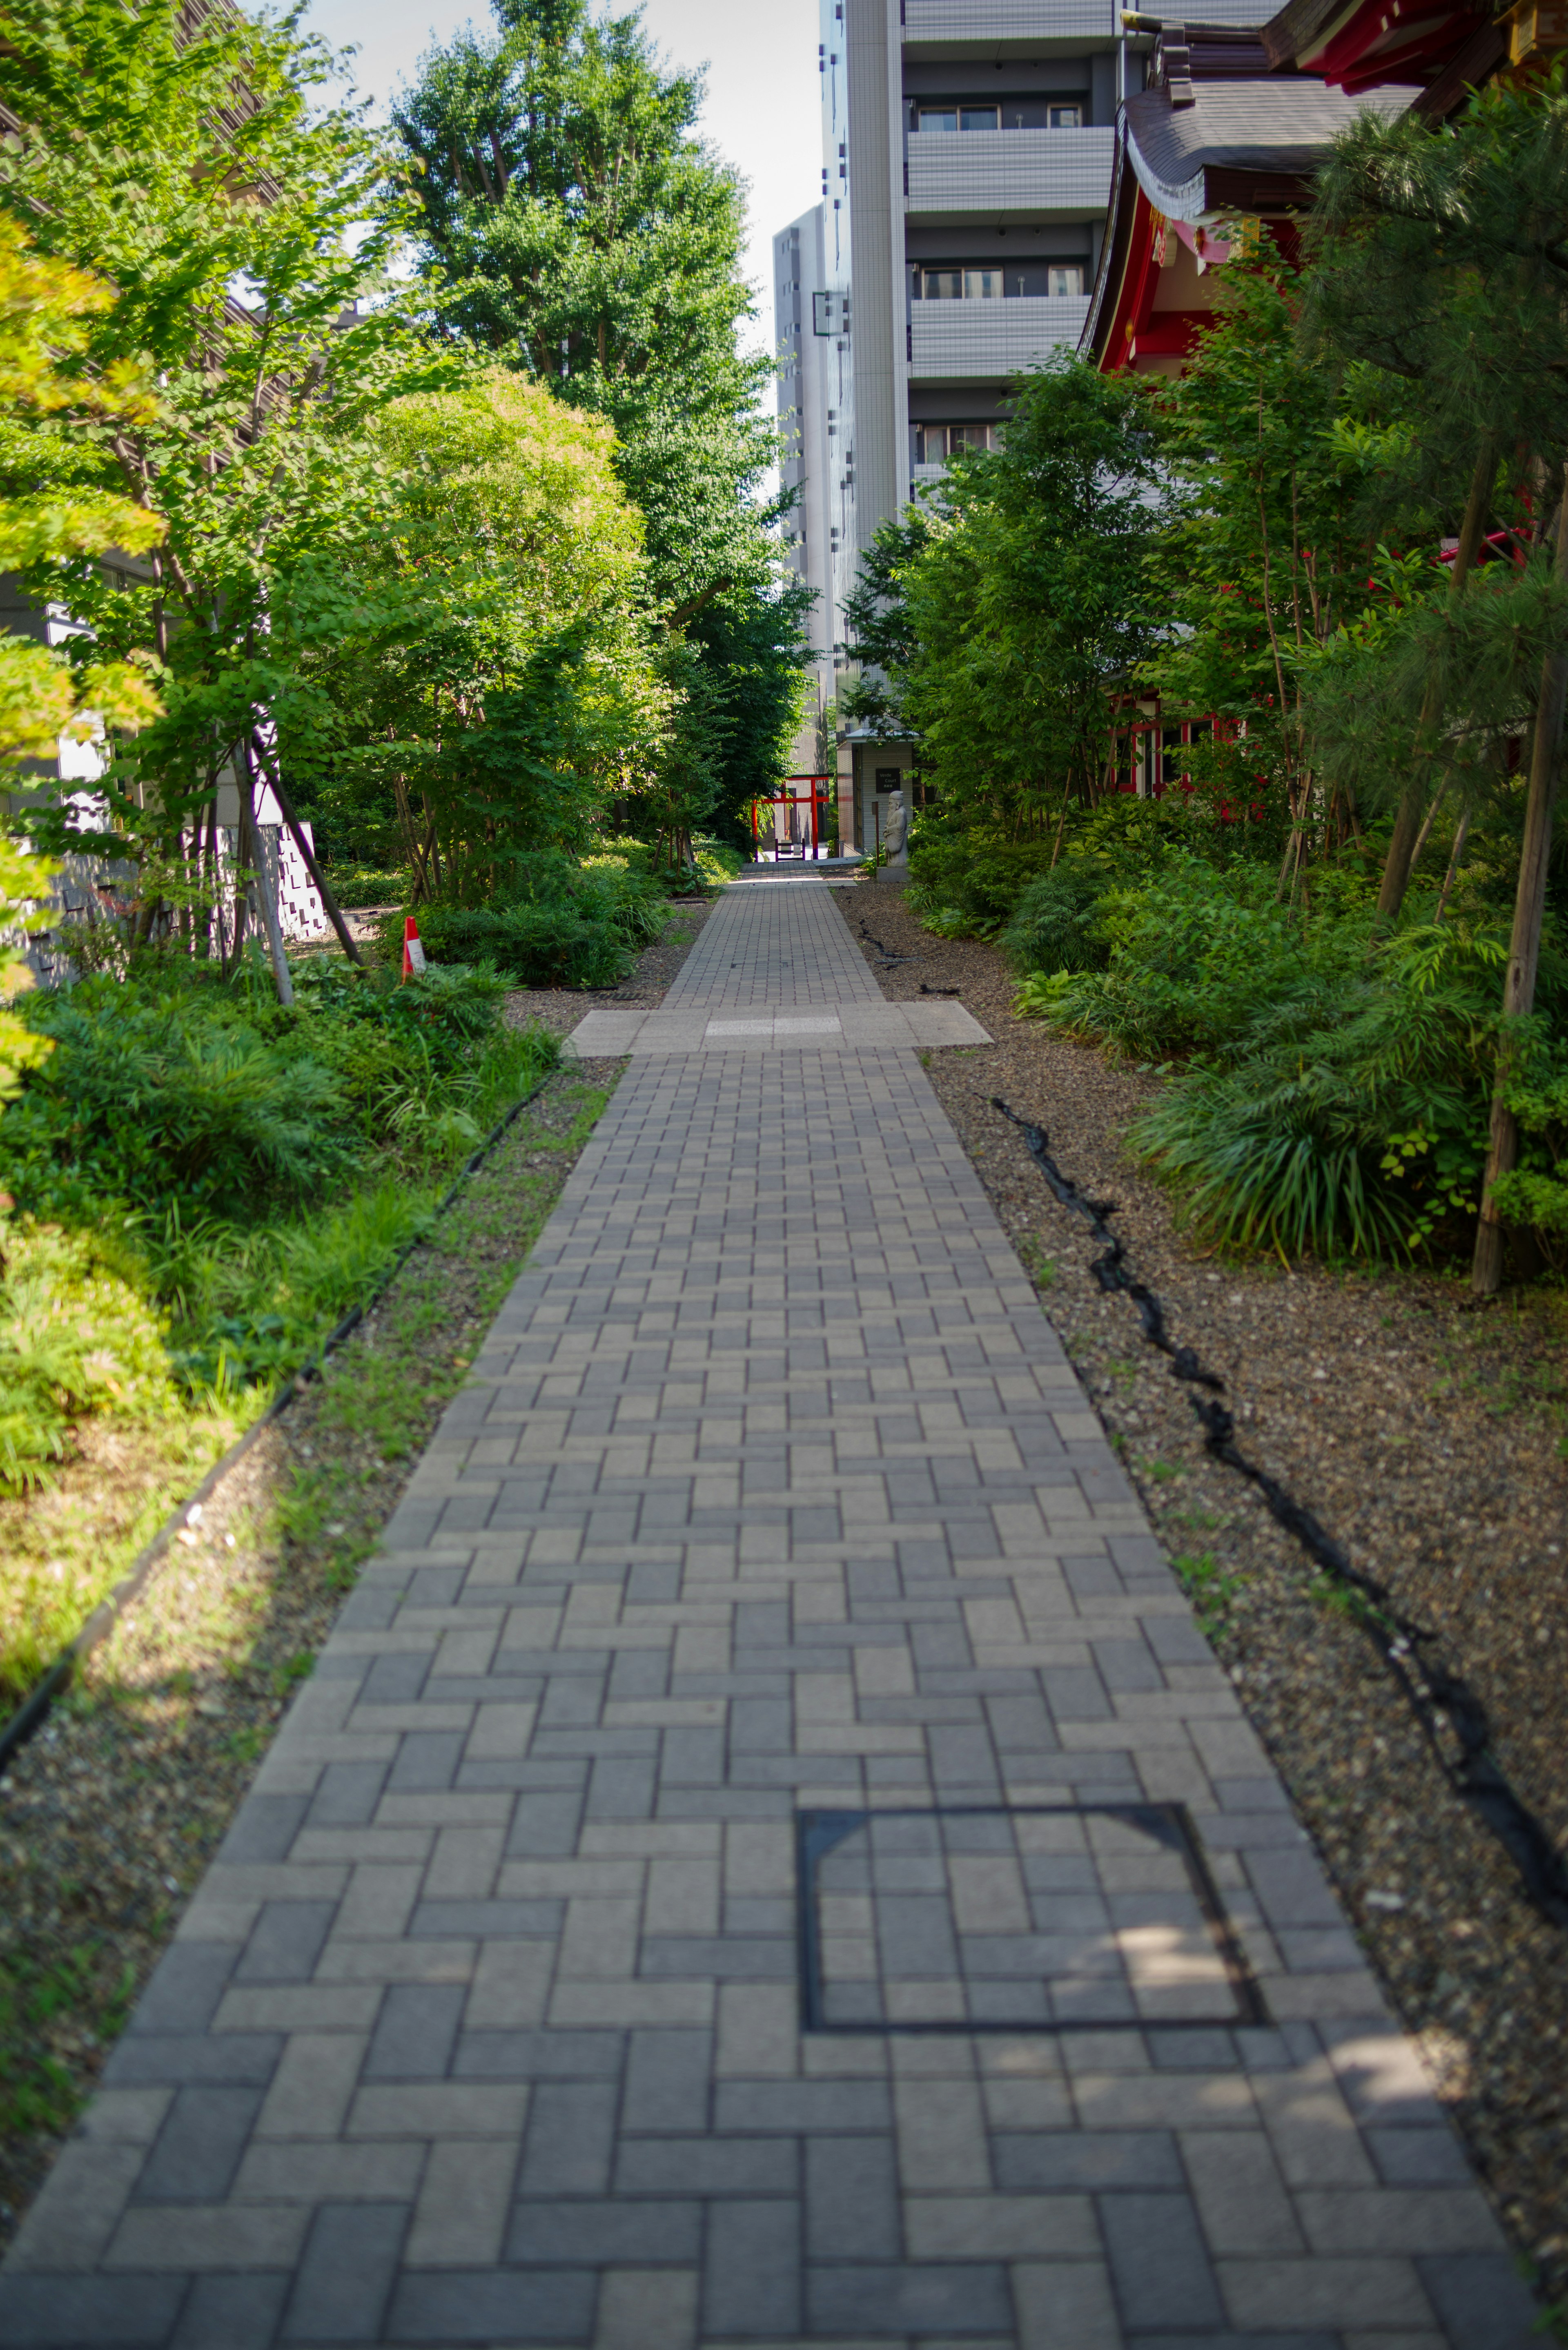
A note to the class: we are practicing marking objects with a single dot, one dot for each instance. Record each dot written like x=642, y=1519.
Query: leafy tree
x=882, y=635
x=589, y=237
x=1440, y=262
x=1445, y=261
x=45, y=309
x=1026, y=603
x=183, y=158
x=519, y=690
x=1268, y=554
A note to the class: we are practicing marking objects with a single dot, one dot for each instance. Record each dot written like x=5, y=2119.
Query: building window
x=958, y=117
x=935, y=443
x=982, y=283
x=994, y=282
x=1008, y=114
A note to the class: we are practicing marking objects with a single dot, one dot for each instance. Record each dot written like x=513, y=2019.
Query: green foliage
x=579, y=227
x=1056, y=924
x=254, y=1166
x=1026, y=603
x=966, y=884
x=574, y=925
x=74, y=1338
x=1338, y=1092
x=1537, y=1195
x=574, y=225
x=1211, y=1590
x=254, y=460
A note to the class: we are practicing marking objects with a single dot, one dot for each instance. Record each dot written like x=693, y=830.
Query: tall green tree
x=589, y=236
x=1027, y=605
x=237, y=225
x=578, y=230
x=1444, y=261
x=520, y=689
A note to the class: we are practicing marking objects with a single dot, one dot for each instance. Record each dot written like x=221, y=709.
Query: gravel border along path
x=1428, y=1436
x=109, y=1817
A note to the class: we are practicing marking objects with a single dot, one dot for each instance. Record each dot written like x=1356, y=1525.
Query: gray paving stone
x=493, y=2306
x=248, y=2059
x=187, y=1984
x=932, y=2302
x=1057, y=2161
x=415, y=2031
x=667, y=2077
x=707, y=2166
x=752, y=2270
x=851, y=2199
x=571, y=2132
x=344, y=2280
x=286, y=1942
x=603, y=2234
x=345, y=1797
x=538, y=2056
x=59, y=2313
x=198, y=2149
x=232, y=2313
x=263, y=1831
x=1158, y=2262
x=1480, y=2300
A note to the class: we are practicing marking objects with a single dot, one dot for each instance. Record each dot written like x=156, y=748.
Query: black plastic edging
x=1437, y=1697
x=35, y=1708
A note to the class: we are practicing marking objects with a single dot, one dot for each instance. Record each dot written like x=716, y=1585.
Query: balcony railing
x=991, y=339
x=1063, y=171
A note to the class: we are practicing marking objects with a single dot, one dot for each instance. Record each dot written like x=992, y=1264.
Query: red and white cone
x=413, y=953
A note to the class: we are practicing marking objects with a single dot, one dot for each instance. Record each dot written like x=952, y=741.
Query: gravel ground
x=109, y=1818
x=559, y=1009
x=1428, y=1435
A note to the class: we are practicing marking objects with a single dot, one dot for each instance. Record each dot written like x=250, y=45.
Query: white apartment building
x=968, y=149
x=813, y=365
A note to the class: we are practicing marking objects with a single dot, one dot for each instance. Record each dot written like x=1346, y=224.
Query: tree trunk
x=250, y=837
x=334, y=912
x=1525, y=947
x=1401, y=854
x=1461, y=832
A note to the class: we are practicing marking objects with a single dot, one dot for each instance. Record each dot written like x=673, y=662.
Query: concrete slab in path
x=766, y=1855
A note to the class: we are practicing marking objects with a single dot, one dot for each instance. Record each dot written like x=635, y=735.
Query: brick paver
x=772, y=1528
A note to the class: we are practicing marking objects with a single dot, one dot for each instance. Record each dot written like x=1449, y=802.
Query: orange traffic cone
x=413, y=953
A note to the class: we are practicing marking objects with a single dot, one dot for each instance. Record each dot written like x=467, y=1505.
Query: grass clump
x=1332, y=1077
x=200, y=1183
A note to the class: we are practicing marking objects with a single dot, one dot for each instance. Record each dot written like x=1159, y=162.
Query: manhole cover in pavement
x=1043, y=1918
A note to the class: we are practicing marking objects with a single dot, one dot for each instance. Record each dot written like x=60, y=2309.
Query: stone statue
x=897, y=830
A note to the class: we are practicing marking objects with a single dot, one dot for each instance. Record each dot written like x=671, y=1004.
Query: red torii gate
x=799, y=805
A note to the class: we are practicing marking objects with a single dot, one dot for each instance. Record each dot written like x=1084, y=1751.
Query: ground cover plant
x=202, y=1182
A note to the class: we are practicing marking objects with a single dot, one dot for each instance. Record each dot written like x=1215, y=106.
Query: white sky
x=764, y=102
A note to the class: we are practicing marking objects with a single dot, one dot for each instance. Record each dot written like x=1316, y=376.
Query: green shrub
x=1338, y=1083
x=253, y=1163
x=579, y=925
x=73, y=1338
x=1056, y=923
x=966, y=884
x=1192, y=955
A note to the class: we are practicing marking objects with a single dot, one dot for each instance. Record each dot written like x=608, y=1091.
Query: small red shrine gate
x=796, y=820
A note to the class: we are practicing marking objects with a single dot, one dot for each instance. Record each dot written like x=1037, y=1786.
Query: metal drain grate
x=1029, y=1918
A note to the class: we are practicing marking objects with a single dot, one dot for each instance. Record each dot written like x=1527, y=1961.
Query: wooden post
x=1525, y=947
x=251, y=841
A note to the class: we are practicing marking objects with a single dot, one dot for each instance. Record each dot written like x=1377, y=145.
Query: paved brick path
x=773, y=1535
